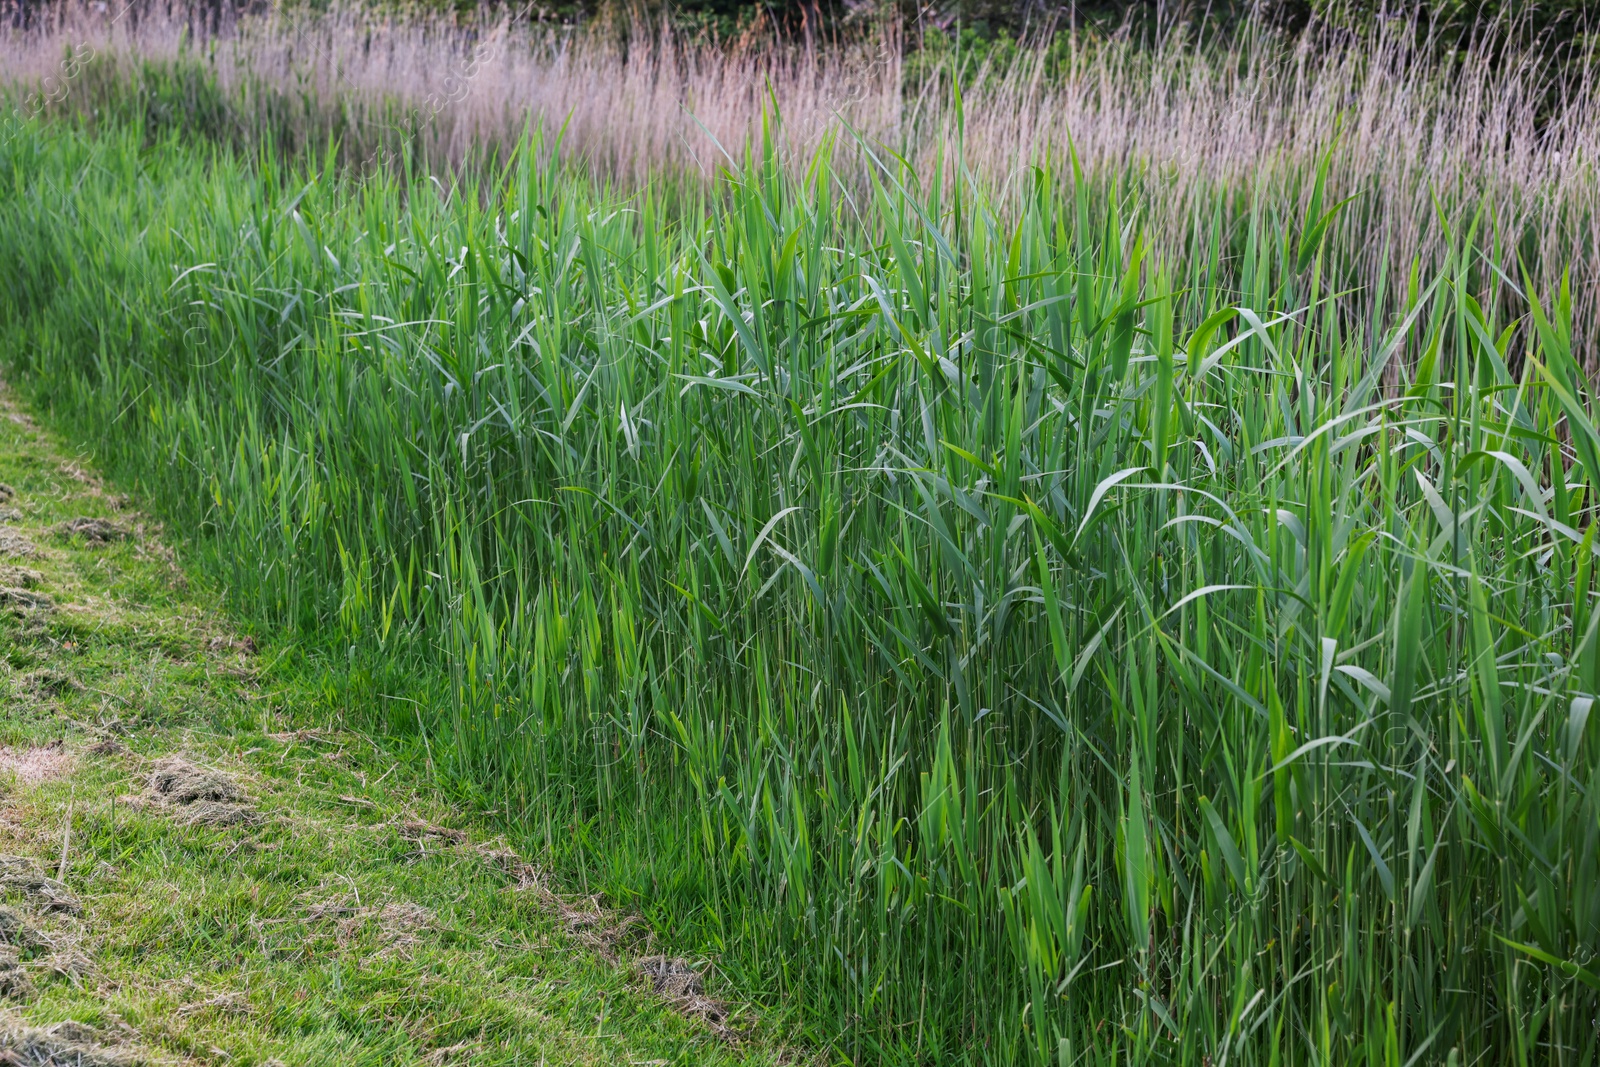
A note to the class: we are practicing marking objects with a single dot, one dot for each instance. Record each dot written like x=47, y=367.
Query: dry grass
x=397, y=926
x=38, y=763
x=68, y=1044
x=25, y=877
x=93, y=531
x=196, y=795
x=24, y=599
x=660, y=105
x=681, y=983
x=14, y=545
x=178, y=781
x=1175, y=125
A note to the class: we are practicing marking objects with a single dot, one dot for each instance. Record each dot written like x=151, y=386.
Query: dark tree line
x=1564, y=29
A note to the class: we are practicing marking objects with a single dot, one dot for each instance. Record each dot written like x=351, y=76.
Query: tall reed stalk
x=1006, y=620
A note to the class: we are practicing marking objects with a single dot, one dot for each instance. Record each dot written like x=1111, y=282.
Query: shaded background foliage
x=1565, y=27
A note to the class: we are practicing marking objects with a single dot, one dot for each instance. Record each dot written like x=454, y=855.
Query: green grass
x=993, y=644
x=336, y=929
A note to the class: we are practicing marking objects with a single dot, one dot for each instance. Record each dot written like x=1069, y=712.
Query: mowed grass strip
x=237, y=885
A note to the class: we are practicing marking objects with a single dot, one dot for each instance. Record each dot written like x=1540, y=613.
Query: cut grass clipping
x=995, y=642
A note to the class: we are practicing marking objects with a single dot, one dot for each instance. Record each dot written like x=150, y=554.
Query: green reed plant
x=997, y=644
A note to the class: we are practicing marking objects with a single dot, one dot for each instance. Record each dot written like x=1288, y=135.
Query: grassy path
x=194, y=872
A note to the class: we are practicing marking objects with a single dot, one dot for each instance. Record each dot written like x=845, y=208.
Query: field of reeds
x=1087, y=561
x=1186, y=128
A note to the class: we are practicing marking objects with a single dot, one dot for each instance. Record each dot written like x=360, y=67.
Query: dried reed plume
x=1182, y=128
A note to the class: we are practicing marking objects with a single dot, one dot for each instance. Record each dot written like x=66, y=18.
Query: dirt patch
x=199, y=796
x=66, y=1044
x=7, y=494
x=244, y=645
x=93, y=531
x=23, y=875
x=34, y=765
x=9, y=515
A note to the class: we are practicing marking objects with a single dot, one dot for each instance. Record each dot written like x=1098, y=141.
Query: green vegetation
x=993, y=641
x=339, y=912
